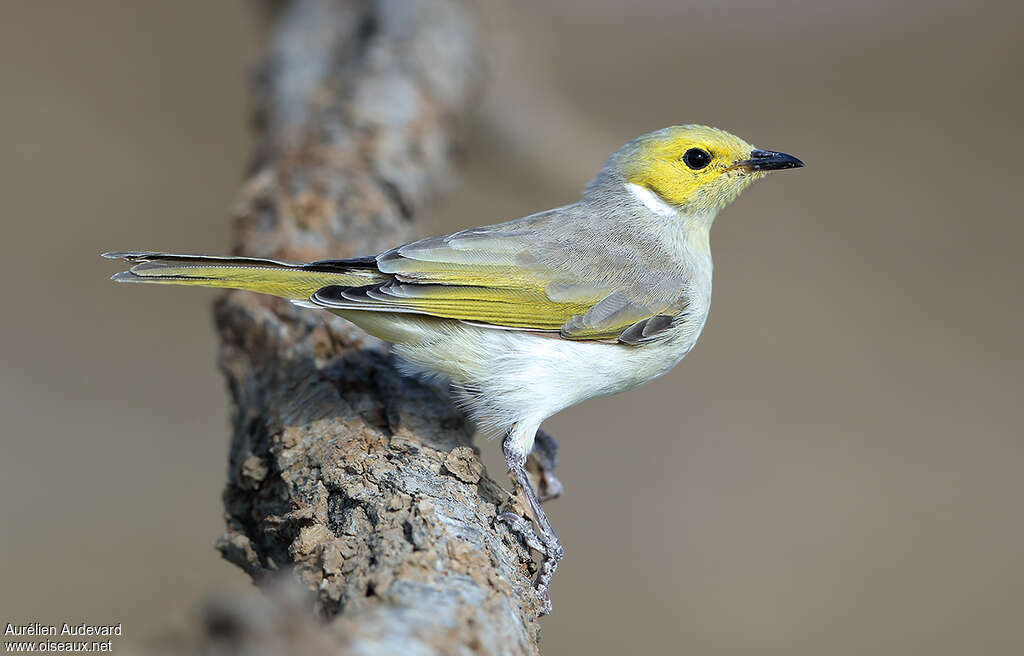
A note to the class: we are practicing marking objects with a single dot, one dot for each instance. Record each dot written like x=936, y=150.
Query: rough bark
x=360, y=483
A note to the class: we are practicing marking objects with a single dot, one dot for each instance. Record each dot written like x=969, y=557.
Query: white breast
x=508, y=377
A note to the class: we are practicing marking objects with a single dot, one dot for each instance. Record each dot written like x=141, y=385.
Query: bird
x=531, y=316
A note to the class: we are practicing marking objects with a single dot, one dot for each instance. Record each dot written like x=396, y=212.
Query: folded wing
x=493, y=276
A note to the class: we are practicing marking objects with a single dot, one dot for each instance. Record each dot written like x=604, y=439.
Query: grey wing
x=560, y=255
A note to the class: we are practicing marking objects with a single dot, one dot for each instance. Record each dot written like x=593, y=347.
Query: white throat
x=651, y=200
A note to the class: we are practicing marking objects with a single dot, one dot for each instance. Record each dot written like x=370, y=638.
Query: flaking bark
x=362, y=483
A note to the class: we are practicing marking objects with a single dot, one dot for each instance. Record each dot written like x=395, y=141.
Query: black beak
x=769, y=160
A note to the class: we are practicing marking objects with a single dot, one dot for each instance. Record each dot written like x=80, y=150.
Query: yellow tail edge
x=291, y=280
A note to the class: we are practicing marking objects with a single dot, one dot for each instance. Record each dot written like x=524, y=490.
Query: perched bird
x=531, y=316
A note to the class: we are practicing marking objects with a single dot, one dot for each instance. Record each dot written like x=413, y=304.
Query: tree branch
x=362, y=483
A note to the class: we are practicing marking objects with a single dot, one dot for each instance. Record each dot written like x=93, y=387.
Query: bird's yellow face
x=697, y=169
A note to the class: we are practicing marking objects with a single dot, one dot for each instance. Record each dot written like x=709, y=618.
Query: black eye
x=696, y=158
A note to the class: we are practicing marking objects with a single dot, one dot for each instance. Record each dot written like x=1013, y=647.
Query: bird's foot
x=548, y=545
x=539, y=534
x=550, y=486
x=544, y=457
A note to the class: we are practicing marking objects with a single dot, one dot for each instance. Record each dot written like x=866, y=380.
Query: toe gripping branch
x=542, y=538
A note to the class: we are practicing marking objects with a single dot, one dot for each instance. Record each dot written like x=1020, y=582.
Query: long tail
x=286, y=279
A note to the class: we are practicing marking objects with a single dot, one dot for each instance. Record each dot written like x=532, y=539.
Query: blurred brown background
x=835, y=469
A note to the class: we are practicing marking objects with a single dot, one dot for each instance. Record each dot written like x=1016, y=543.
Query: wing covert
x=493, y=276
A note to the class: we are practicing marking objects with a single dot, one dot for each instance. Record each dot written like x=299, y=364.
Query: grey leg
x=542, y=539
x=545, y=455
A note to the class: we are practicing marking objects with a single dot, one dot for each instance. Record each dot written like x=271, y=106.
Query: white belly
x=508, y=377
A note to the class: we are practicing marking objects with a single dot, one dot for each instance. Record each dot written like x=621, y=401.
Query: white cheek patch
x=651, y=200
